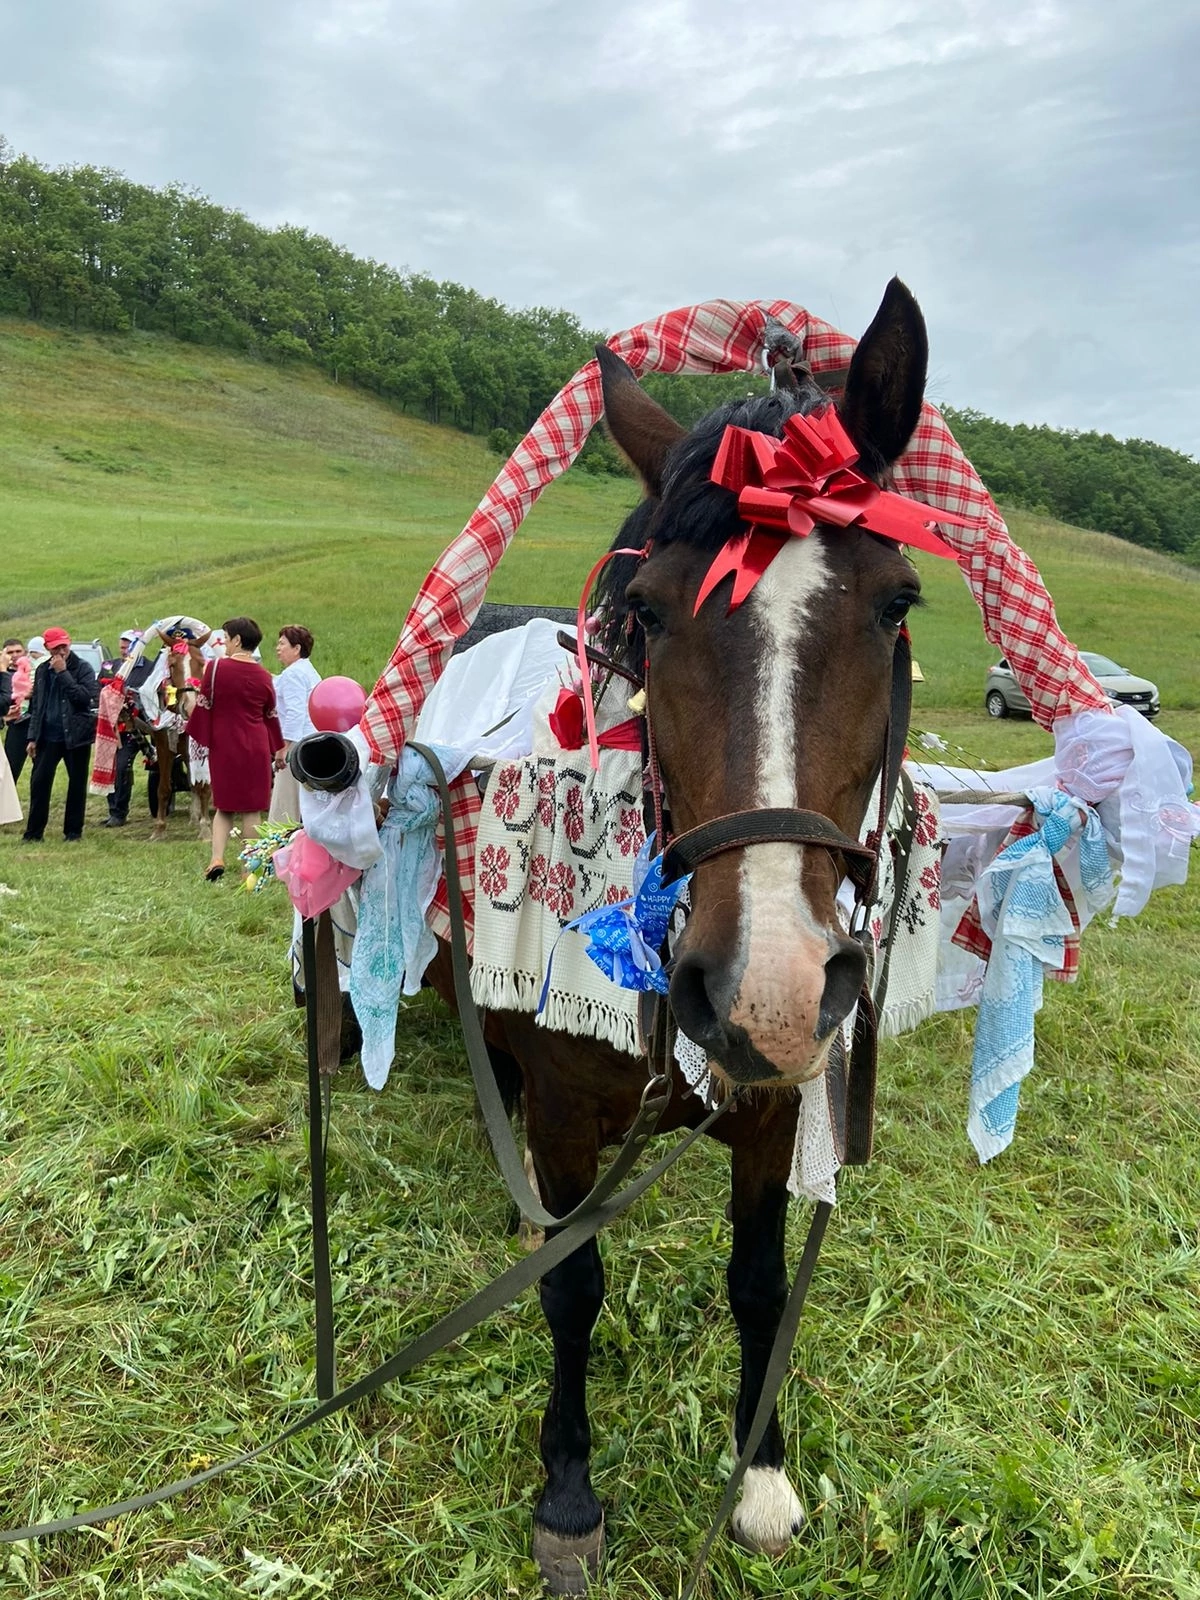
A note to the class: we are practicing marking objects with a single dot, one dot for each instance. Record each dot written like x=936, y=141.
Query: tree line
x=87, y=248
x=1133, y=488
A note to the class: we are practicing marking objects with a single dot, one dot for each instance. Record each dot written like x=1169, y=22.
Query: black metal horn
x=326, y=761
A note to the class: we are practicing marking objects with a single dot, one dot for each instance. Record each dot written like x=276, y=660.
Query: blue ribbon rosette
x=624, y=939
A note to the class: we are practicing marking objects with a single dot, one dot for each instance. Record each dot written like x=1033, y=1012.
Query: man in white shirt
x=292, y=689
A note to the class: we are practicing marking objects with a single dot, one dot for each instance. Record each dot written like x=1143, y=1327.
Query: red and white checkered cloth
x=718, y=336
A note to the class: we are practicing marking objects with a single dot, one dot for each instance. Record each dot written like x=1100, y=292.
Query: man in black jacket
x=61, y=724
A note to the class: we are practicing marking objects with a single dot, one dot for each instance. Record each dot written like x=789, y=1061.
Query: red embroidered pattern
x=507, y=800
x=629, y=832
x=573, y=814
x=560, y=887
x=493, y=870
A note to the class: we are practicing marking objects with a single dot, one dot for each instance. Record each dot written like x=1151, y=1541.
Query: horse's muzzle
x=784, y=1049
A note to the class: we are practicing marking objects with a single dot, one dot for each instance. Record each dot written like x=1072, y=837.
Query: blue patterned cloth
x=1024, y=912
x=624, y=939
x=393, y=945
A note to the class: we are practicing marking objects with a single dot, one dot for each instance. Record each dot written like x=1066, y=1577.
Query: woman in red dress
x=235, y=717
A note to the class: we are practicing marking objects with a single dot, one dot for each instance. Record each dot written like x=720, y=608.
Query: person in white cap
x=135, y=676
x=16, y=721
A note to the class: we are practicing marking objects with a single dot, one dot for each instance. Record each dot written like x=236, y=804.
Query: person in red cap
x=61, y=724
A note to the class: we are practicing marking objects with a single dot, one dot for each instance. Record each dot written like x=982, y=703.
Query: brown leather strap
x=323, y=1018
x=598, y=658
x=772, y=825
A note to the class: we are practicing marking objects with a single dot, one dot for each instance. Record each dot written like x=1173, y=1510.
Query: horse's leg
x=768, y=1513
x=568, y=1522
x=200, y=808
x=166, y=763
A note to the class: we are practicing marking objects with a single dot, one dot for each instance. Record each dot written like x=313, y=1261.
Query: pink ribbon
x=787, y=487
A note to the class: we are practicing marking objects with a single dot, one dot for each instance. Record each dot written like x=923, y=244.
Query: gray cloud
x=1031, y=171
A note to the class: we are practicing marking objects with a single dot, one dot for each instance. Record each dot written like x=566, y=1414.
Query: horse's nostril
x=692, y=1003
x=844, y=973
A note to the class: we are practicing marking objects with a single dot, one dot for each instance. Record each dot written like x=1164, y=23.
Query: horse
x=177, y=696
x=780, y=704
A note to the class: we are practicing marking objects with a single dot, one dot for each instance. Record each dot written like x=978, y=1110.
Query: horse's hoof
x=529, y=1235
x=768, y=1516
x=568, y=1566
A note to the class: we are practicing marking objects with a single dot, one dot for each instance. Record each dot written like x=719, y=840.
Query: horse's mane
x=692, y=510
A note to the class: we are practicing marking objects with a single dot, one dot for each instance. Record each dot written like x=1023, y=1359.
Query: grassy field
x=997, y=1387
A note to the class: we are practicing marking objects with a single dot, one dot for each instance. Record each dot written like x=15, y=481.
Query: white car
x=1003, y=696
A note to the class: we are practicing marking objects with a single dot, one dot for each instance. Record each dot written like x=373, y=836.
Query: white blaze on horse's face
x=782, y=946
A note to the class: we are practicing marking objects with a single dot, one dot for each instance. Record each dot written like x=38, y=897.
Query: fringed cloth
x=556, y=840
x=717, y=336
x=108, y=742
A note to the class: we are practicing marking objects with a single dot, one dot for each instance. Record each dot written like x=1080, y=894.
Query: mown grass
x=997, y=1385
x=996, y=1389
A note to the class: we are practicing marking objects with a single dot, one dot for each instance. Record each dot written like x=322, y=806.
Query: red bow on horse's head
x=787, y=487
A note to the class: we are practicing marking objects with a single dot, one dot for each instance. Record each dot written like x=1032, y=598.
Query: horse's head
x=782, y=702
x=185, y=668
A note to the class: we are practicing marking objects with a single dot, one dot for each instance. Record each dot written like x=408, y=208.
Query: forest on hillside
x=86, y=248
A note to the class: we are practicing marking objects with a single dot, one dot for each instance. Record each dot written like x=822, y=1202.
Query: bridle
x=851, y=1074
x=737, y=830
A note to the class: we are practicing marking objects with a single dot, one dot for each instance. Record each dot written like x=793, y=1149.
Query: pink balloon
x=336, y=705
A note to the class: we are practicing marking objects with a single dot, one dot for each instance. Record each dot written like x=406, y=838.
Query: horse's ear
x=640, y=427
x=886, y=381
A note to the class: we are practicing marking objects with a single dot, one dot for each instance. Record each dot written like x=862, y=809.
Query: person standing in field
x=10, y=806
x=292, y=688
x=236, y=719
x=127, y=748
x=10, y=654
x=16, y=721
x=61, y=723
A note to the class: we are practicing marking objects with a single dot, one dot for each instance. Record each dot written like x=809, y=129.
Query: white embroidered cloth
x=556, y=840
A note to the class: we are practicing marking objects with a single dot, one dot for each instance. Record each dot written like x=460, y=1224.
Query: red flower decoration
x=573, y=815
x=560, y=889
x=545, y=802
x=507, y=799
x=931, y=879
x=925, y=828
x=538, y=868
x=629, y=836
x=493, y=870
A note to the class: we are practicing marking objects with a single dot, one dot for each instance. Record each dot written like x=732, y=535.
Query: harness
x=607, y=1199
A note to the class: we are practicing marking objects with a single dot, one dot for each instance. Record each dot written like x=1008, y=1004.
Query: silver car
x=1003, y=697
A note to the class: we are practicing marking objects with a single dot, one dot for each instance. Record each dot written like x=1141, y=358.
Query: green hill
x=141, y=476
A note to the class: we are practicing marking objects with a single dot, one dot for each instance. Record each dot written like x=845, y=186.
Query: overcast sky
x=1031, y=168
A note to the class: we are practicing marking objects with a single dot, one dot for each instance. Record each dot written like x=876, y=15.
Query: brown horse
x=782, y=702
x=178, y=698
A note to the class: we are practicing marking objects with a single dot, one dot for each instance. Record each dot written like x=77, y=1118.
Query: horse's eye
x=893, y=615
x=648, y=618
